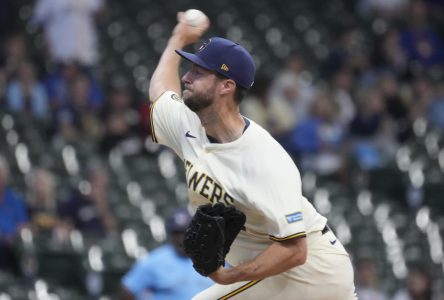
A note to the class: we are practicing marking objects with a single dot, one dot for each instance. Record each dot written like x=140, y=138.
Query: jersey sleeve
x=279, y=198
x=168, y=115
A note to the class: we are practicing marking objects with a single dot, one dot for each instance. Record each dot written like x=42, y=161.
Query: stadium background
x=368, y=73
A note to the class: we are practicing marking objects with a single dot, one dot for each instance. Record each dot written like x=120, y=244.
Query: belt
x=326, y=229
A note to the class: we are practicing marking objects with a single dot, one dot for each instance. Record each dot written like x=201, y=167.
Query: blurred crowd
x=55, y=88
x=355, y=113
x=57, y=85
x=368, y=94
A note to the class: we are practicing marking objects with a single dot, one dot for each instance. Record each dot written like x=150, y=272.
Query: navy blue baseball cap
x=178, y=220
x=226, y=58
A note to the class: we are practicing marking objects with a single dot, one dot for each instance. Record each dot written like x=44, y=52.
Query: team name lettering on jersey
x=206, y=186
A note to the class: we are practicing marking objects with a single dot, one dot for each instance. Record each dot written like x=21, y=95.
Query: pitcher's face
x=200, y=85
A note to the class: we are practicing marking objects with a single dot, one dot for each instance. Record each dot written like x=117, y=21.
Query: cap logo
x=224, y=67
x=204, y=45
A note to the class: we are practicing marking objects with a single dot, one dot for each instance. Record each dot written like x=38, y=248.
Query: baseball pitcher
x=240, y=180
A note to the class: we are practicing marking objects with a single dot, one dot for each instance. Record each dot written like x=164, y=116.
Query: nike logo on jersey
x=333, y=242
x=188, y=135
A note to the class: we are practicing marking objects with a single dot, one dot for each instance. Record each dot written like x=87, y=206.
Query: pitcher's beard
x=198, y=101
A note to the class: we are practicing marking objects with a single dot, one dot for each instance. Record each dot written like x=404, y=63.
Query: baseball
x=195, y=17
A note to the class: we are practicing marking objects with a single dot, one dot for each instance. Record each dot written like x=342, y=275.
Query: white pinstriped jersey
x=253, y=173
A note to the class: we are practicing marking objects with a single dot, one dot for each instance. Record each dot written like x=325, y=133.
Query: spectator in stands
x=419, y=286
x=367, y=281
x=59, y=84
x=318, y=139
x=368, y=121
x=70, y=31
x=422, y=44
x=84, y=91
x=389, y=54
x=79, y=118
x=13, y=54
x=87, y=209
x=43, y=206
x=372, y=137
x=166, y=272
x=256, y=105
x=397, y=108
x=66, y=127
x=341, y=84
x=26, y=95
x=13, y=217
x=120, y=117
x=82, y=106
x=292, y=91
x=277, y=115
x=351, y=52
